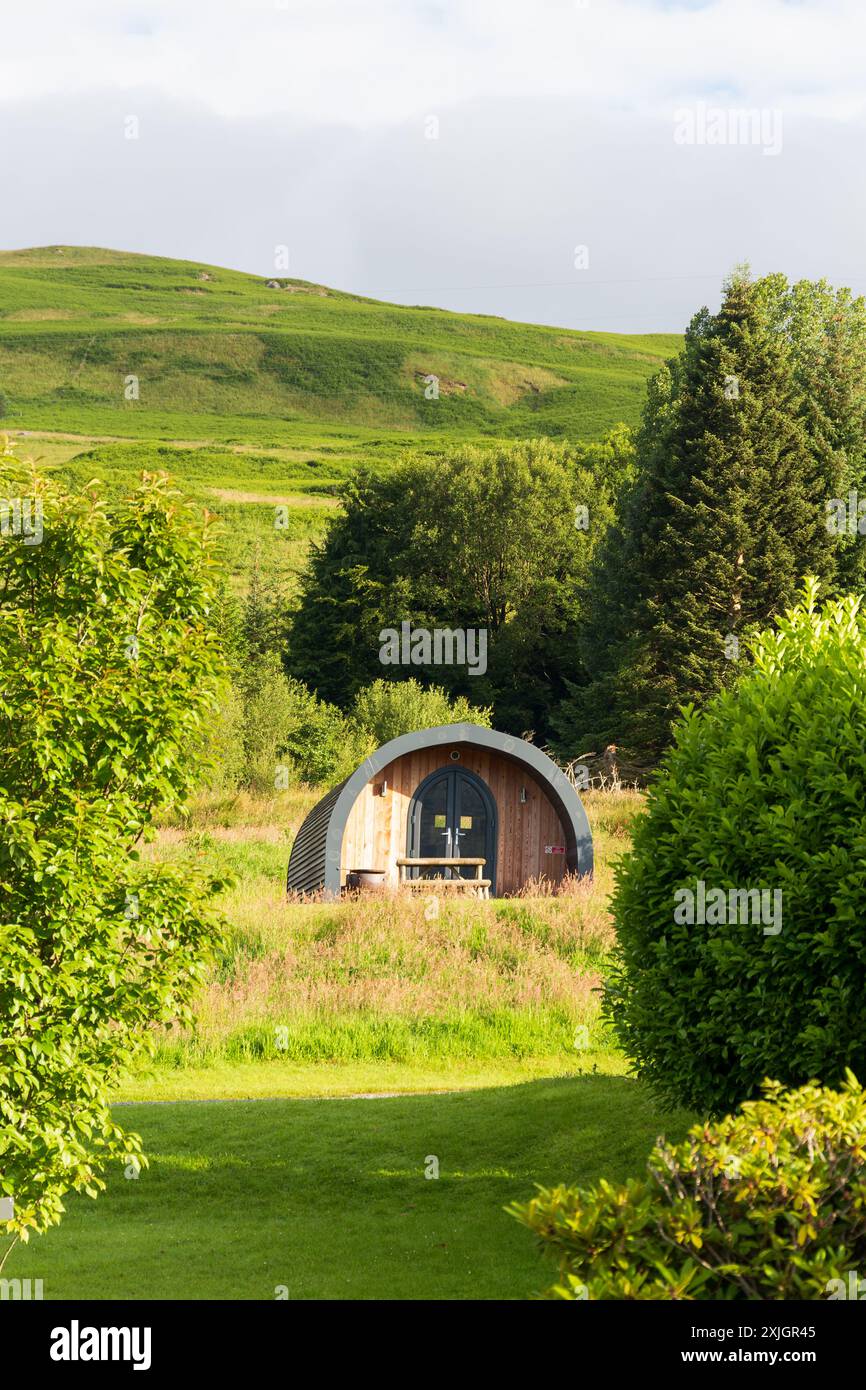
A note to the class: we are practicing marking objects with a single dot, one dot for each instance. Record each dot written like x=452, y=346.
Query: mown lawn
x=329, y=1199
x=485, y=1020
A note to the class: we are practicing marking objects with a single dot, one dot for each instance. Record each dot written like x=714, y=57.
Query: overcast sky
x=574, y=162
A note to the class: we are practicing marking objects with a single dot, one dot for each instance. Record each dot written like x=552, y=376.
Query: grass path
x=328, y=1198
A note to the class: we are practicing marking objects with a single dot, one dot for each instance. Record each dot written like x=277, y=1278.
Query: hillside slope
x=220, y=356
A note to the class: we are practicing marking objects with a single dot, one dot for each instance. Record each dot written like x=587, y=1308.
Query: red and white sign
x=554, y=849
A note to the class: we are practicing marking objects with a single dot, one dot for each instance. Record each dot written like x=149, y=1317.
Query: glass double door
x=453, y=816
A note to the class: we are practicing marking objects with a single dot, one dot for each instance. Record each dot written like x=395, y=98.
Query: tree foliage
x=745, y=437
x=387, y=709
x=487, y=538
x=108, y=673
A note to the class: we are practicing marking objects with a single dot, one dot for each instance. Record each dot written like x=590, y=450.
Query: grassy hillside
x=376, y=979
x=254, y=396
x=220, y=356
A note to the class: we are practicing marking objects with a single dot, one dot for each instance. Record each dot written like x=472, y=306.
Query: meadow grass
x=373, y=979
x=280, y=1079
x=413, y=1047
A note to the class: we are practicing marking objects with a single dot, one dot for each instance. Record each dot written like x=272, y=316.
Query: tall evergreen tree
x=727, y=514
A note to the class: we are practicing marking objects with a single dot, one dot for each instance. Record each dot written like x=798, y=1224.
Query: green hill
x=253, y=395
x=219, y=355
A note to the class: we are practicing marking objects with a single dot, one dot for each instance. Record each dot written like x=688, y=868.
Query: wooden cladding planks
x=375, y=835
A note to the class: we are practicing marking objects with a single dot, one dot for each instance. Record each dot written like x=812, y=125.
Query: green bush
x=271, y=726
x=319, y=742
x=108, y=672
x=763, y=790
x=387, y=709
x=226, y=766
x=766, y=1204
x=268, y=715
x=271, y=732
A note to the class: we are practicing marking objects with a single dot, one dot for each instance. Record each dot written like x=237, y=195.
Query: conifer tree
x=726, y=516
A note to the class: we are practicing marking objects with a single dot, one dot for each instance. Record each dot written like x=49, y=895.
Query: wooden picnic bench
x=477, y=885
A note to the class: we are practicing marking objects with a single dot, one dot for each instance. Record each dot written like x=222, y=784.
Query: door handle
x=448, y=850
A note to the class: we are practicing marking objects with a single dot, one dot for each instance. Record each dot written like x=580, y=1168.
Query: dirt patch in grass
x=228, y=494
x=38, y=315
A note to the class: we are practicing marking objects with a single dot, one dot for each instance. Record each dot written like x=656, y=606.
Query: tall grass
x=389, y=978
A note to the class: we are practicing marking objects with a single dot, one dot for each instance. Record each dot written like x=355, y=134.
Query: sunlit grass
x=319, y=1199
x=222, y=357
x=379, y=979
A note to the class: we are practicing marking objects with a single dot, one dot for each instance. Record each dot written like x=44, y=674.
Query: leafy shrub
x=387, y=709
x=267, y=725
x=226, y=768
x=320, y=742
x=270, y=725
x=765, y=789
x=766, y=1204
x=268, y=715
x=108, y=672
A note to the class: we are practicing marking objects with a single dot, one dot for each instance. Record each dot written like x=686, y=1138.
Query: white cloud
x=382, y=61
x=305, y=124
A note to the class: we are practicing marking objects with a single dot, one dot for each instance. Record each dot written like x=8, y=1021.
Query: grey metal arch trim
x=553, y=779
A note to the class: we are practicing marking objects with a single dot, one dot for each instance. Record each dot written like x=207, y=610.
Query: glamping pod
x=469, y=808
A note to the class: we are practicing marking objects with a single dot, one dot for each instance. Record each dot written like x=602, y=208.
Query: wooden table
x=477, y=885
